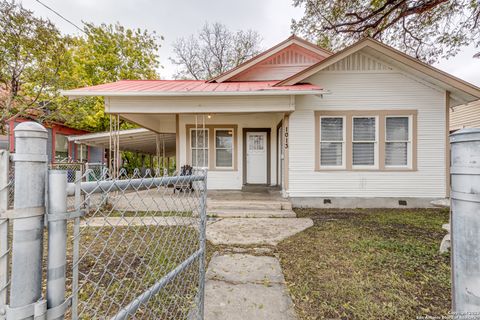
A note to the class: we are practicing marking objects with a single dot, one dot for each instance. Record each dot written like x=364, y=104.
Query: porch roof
x=135, y=140
x=149, y=88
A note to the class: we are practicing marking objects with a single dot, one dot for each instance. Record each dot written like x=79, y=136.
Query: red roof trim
x=266, y=52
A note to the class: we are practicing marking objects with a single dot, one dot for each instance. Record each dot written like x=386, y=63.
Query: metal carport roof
x=135, y=140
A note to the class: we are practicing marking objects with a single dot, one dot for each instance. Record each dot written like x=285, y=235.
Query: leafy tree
x=32, y=55
x=214, y=50
x=107, y=53
x=426, y=29
x=37, y=61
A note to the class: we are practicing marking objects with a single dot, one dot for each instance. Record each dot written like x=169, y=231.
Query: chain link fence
x=137, y=248
x=70, y=167
x=114, y=248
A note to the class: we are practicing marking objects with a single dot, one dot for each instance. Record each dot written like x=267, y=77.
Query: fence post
x=4, y=176
x=465, y=221
x=57, y=241
x=203, y=246
x=27, y=242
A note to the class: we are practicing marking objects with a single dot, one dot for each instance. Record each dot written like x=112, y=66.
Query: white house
x=366, y=126
x=465, y=116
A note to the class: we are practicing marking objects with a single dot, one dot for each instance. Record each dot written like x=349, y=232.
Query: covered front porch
x=240, y=140
x=237, y=130
x=239, y=149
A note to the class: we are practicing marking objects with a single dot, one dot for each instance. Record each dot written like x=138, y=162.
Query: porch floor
x=248, y=193
x=257, y=202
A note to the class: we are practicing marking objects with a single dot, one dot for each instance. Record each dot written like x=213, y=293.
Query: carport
x=160, y=147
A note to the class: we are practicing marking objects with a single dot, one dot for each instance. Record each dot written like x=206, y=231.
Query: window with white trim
x=397, y=141
x=199, y=145
x=224, y=148
x=364, y=142
x=332, y=142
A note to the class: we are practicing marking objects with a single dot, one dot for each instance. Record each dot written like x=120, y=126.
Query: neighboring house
x=465, y=116
x=3, y=142
x=59, y=149
x=366, y=126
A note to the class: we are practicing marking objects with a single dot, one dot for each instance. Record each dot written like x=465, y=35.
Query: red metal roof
x=192, y=86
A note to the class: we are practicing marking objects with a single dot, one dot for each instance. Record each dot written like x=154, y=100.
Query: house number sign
x=286, y=137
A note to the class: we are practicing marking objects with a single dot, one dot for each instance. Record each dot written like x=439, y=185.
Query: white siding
x=233, y=180
x=381, y=90
x=465, y=116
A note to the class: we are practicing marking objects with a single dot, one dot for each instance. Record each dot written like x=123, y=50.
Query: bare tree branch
x=213, y=51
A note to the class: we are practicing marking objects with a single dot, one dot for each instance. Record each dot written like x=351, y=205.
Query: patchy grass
x=117, y=264
x=368, y=264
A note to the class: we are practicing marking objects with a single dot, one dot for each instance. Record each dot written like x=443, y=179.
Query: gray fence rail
x=129, y=247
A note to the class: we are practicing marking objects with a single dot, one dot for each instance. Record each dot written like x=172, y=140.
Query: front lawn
x=368, y=264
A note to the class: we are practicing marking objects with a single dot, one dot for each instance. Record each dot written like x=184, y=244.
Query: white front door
x=257, y=157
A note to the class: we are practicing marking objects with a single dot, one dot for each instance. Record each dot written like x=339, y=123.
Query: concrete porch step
x=251, y=213
x=249, y=205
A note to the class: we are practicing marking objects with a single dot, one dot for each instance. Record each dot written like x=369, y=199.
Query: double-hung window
x=332, y=142
x=224, y=148
x=364, y=142
x=199, y=144
x=397, y=141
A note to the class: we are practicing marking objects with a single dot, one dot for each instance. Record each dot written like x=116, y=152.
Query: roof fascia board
x=78, y=94
x=98, y=135
x=405, y=59
x=267, y=54
x=125, y=110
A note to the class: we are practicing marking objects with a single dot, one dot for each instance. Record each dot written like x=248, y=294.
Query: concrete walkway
x=251, y=231
x=247, y=283
x=242, y=286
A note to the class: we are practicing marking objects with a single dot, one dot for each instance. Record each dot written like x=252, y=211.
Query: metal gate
x=129, y=247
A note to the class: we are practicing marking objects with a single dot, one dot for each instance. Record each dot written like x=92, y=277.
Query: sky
x=181, y=18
